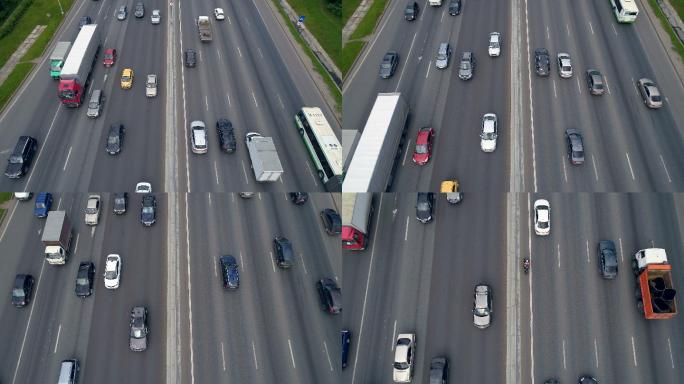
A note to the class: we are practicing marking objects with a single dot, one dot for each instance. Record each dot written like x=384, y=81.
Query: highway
x=628, y=147
x=250, y=74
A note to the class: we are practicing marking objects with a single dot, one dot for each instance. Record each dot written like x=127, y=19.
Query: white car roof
x=111, y=265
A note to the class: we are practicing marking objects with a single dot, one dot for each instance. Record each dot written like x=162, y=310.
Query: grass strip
x=325, y=26
x=676, y=43
x=367, y=24
x=348, y=8
x=349, y=53
x=13, y=81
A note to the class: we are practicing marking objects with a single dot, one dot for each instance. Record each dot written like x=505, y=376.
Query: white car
x=151, y=86
x=490, y=131
x=143, y=187
x=22, y=196
x=156, y=16
x=564, y=65
x=112, y=273
x=542, y=217
x=198, y=137
x=494, y=44
x=92, y=211
x=218, y=13
x=404, y=354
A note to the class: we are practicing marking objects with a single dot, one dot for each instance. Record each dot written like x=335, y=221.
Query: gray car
x=482, y=306
x=595, y=82
x=443, y=56
x=389, y=64
x=122, y=13
x=650, y=93
x=466, y=67
x=139, y=10
x=139, y=330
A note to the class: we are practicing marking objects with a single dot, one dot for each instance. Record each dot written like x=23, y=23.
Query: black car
x=148, y=210
x=190, y=58
x=224, y=128
x=229, y=271
x=542, y=62
x=84, y=279
x=575, y=146
x=551, y=381
x=21, y=293
x=607, y=256
x=115, y=139
x=85, y=20
x=120, y=203
x=439, y=370
x=424, y=204
x=586, y=379
x=454, y=9
x=330, y=295
x=411, y=11
x=137, y=340
x=20, y=160
x=283, y=252
x=139, y=10
x=346, y=344
x=389, y=64
x=299, y=198
x=331, y=221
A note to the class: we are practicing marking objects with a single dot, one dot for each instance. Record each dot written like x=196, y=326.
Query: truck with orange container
x=655, y=291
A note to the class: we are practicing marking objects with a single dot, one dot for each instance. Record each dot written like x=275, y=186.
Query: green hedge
x=13, y=19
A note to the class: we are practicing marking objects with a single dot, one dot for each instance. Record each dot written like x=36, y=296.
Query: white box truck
x=264, y=157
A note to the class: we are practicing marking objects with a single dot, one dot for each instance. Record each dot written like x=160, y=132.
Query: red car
x=423, y=151
x=109, y=57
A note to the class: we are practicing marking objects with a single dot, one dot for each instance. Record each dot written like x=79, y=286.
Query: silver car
x=122, y=13
x=198, y=137
x=151, y=86
x=482, y=306
x=564, y=65
x=443, y=56
x=156, y=16
x=467, y=66
x=650, y=93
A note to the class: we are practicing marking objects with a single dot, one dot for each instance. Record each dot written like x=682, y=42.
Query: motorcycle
x=526, y=265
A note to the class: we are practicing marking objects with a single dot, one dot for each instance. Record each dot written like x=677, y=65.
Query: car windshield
x=18, y=292
x=40, y=205
x=577, y=154
x=465, y=65
x=151, y=84
x=566, y=68
x=82, y=281
x=481, y=312
x=119, y=201
x=441, y=56
x=15, y=159
x=656, y=98
x=421, y=148
x=91, y=211
x=110, y=274
x=108, y=56
x=113, y=139
x=423, y=206
x=385, y=65
x=543, y=224
x=93, y=104
x=401, y=365
x=409, y=11
x=488, y=135
x=147, y=209
x=137, y=333
x=125, y=78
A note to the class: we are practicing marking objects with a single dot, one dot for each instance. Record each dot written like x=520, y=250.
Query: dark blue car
x=346, y=342
x=229, y=271
x=43, y=204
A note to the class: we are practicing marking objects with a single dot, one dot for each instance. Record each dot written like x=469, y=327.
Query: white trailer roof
x=369, y=147
x=355, y=209
x=78, y=50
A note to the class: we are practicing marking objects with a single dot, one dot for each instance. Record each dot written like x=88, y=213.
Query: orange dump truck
x=655, y=291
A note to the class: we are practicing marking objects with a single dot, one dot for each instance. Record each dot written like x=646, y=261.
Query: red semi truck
x=357, y=210
x=75, y=75
x=655, y=291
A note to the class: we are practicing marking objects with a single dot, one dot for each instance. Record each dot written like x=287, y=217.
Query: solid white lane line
x=548, y=34
x=215, y=267
x=403, y=162
x=669, y=346
x=244, y=170
x=394, y=335
x=555, y=94
x=59, y=203
x=272, y=262
x=206, y=102
x=564, y=365
x=634, y=352
x=228, y=98
x=289, y=343
x=239, y=52
x=256, y=363
x=218, y=51
x=282, y=106
x=607, y=85
x=76, y=244
x=255, y=100
x=565, y=172
x=67, y=159
x=9, y=221
x=407, y=226
x=428, y=69
x=223, y=357
x=630, y=165
x=593, y=161
x=614, y=30
x=303, y=264
x=622, y=256
x=587, y=244
x=216, y=172
x=534, y=152
x=591, y=27
x=59, y=331
x=662, y=161
x=328, y=355
x=596, y=352
x=558, y=256
x=403, y=68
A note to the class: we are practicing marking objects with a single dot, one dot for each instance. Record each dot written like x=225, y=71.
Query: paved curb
x=664, y=36
x=369, y=38
x=355, y=19
x=20, y=52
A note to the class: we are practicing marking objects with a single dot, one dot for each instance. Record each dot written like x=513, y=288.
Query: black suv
x=542, y=63
x=454, y=7
x=608, y=264
x=190, y=58
x=21, y=293
x=299, y=198
x=424, y=204
x=229, y=271
x=330, y=295
x=120, y=203
x=115, y=139
x=148, y=210
x=331, y=221
x=224, y=128
x=389, y=64
x=20, y=160
x=411, y=11
x=85, y=20
x=84, y=279
x=283, y=252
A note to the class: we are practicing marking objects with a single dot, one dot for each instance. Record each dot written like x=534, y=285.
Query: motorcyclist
x=526, y=264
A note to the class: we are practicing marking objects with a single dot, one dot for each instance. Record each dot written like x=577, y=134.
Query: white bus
x=625, y=11
x=324, y=147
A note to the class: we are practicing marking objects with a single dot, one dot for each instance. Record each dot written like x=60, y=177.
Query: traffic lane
x=294, y=343
x=458, y=145
x=142, y=117
x=396, y=290
x=602, y=307
x=142, y=251
x=474, y=229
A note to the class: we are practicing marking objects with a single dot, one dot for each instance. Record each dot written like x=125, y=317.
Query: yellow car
x=127, y=78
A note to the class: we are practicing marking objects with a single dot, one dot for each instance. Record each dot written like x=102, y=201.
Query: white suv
x=92, y=211
x=542, y=217
x=198, y=136
x=403, y=358
x=112, y=272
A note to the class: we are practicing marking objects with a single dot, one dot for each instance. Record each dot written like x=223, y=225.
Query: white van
x=68, y=372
